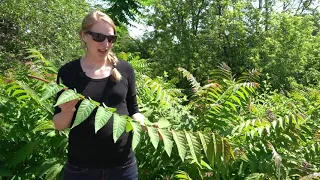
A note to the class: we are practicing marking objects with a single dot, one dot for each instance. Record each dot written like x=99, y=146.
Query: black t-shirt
x=86, y=148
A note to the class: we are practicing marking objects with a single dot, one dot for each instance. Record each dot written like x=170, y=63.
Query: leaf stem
x=39, y=78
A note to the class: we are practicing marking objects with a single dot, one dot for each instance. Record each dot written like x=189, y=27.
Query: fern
x=5, y=172
x=256, y=176
x=40, y=59
x=121, y=123
x=54, y=171
x=52, y=90
x=154, y=137
x=182, y=175
x=311, y=176
x=44, y=125
x=22, y=91
x=180, y=139
x=220, y=103
x=194, y=83
x=167, y=140
x=23, y=153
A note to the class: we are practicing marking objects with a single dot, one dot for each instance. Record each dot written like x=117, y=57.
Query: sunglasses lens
x=112, y=39
x=98, y=37
x=101, y=37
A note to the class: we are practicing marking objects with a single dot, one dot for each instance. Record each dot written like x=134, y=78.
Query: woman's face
x=97, y=49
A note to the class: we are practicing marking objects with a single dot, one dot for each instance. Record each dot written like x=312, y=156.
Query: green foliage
x=85, y=109
x=102, y=117
x=256, y=135
x=121, y=122
x=51, y=27
x=278, y=37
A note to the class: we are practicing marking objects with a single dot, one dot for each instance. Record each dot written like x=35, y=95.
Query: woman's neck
x=95, y=63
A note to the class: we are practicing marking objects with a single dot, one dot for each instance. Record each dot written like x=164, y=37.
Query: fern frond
x=23, y=153
x=182, y=175
x=222, y=152
x=5, y=172
x=21, y=90
x=194, y=83
x=250, y=76
x=194, y=146
x=44, y=125
x=39, y=58
x=223, y=71
x=256, y=176
x=140, y=66
x=311, y=176
x=54, y=171
x=180, y=140
x=277, y=159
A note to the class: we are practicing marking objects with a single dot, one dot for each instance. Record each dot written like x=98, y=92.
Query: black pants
x=128, y=172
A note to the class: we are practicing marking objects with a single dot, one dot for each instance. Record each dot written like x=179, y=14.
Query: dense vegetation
x=234, y=86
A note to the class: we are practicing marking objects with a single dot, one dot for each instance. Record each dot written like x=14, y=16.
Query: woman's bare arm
x=63, y=119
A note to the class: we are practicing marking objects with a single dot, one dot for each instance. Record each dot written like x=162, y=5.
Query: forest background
x=233, y=84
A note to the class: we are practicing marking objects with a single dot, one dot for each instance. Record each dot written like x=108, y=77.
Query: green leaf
x=260, y=130
x=232, y=105
x=195, y=147
x=241, y=127
x=18, y=91
x=66, y=96
x=179, y=138
x=206, y=165
x=34, y=96
x=208, y=148
x=5, y=172
x=256, y=176
x=53, y=172
x=136, y=134
x=23, y=97
x=154, y=136
x=268, y=129
x=167, y=140
x=119, y=126
x=44, y=125
x=15, y=86
x=23, y=153
x=182, y=175
x=228, y=152
x=219, y=154
x=85, y=109
x=52, y=89
x=281, y=122
x=245, y=91
x=129, y=126
x=163, y=123
x=235, y=98
x=102, y=117
x=241, y=95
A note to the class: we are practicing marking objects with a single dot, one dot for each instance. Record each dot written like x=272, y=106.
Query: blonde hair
x=87, y=23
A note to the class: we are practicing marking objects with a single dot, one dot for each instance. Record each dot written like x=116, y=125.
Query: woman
x=105, y=79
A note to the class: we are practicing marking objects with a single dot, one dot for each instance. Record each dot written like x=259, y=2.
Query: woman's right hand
x=69, y=107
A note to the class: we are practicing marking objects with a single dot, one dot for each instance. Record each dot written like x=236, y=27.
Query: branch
x=41, y=79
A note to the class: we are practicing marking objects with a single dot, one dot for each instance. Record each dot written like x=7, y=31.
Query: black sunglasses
x=101, y=37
